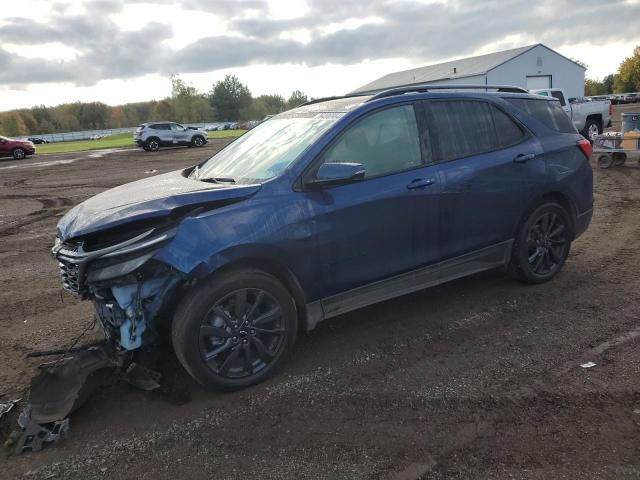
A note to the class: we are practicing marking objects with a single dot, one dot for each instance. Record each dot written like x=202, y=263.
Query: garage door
x=538, y=81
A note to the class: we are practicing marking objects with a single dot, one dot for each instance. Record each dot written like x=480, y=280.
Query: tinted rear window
x=462, y=128
x=549, y=113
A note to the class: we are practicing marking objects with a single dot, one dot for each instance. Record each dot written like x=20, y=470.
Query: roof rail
x=426, y=88
x=335, y=97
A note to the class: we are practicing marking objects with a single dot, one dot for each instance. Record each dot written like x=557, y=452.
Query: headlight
x=78, y=266
x=119, y=269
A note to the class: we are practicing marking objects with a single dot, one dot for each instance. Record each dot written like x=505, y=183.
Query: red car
x=18, y=149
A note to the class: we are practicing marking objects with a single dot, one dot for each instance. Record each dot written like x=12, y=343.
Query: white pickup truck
x=590, y=117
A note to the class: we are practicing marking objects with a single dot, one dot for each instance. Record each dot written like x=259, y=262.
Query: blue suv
x=323, y=209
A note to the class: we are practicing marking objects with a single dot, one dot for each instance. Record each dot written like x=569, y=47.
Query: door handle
x=522, y=158
x=420, y=183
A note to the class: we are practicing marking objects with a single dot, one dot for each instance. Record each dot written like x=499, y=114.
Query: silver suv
x=151, y=136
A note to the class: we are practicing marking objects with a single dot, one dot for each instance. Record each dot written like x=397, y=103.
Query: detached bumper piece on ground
x=63, y=385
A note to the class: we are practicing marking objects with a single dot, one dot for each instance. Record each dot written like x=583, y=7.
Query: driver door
x=374, y=229
x=179, y=133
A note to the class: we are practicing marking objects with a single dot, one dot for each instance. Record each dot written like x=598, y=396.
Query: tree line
x=228, y=100
x=627, y=79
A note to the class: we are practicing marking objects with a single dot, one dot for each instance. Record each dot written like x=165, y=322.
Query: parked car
x=631, y=98
x=37, y=140
x=151, y=136
x=615, y=99
x=18, y=149
x=589, y=117
x=321, y=210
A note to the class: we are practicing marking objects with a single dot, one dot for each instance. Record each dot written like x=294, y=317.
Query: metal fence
x=84, y=135
x=94, y=134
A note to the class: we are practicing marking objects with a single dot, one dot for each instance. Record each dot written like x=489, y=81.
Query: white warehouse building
x=532, y=67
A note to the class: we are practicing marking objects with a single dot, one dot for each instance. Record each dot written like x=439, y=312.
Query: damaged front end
x=132, y=294
x=127, y=286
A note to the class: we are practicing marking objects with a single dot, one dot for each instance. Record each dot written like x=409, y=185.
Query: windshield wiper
x=218, y=180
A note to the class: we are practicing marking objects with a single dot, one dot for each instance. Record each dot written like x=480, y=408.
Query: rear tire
x=152, y=144
x=18, y=153
x=591, y=129
x=235, y=330
x=542, y=245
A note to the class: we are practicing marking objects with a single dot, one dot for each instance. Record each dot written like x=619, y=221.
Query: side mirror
x=338, y=174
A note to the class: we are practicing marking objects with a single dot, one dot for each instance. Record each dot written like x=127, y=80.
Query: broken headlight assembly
x=81, y=265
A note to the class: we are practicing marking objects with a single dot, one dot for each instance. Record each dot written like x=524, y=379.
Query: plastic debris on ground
x=588, y=365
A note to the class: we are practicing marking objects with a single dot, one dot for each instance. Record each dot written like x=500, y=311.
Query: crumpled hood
x=150, y=197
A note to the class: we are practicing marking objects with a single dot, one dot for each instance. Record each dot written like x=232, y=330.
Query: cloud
x=422, y=32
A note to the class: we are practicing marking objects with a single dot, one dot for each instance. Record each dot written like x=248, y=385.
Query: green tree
x=296, y=99
x=163, y=110
x=593, y=87
x=29, y=121
x=92, y=116
x=188, y=104
x=608, y=83
x=274, y=104
x=117, y=118
x=229, y=97
x=629, y=73
x=13, y=125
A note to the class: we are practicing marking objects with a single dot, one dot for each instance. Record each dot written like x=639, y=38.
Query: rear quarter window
x=547, y=112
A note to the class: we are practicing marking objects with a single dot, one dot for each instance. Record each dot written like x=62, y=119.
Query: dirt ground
x=479, y=378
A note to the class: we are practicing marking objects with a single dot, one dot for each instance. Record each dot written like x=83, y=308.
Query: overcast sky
x=119, y=51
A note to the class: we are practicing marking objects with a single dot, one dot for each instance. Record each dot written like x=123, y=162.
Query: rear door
x=163, y=132
x=489, y=167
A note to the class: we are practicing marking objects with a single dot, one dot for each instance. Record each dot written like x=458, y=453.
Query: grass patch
x=226, y=133
x=120, y=140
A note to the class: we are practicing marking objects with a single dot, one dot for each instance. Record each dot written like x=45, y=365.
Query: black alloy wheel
x=547, y=244
x=242, y=333
x=542, y=245
x=235, y=329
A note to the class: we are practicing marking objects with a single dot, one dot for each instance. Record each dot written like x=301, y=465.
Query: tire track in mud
x=51, y=206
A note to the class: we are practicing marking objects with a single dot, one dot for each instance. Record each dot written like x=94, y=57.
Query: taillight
x=610, y=109
x=585, y=146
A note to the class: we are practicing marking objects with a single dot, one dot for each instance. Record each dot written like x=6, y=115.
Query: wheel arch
x=275, y=269
x=595, y=116
x=553, y=196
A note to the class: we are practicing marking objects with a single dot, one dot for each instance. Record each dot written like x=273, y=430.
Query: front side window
x=383, y=142
x=176, y=127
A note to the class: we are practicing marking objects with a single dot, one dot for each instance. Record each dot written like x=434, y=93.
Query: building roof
x=464, y=67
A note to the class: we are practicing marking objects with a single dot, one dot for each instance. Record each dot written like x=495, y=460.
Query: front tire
x=235, y=330
x=542, y=245
x=18, y=153
x=197, y=141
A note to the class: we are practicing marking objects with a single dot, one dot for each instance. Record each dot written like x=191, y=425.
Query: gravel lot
x=479, y=378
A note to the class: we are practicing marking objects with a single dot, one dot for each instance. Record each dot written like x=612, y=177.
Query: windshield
x=267, y=150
